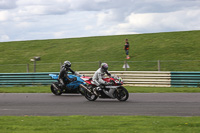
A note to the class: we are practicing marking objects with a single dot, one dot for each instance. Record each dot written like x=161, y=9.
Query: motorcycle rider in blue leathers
x=64, y=73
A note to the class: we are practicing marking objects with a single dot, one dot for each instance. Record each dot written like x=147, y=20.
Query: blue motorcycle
x=76, y=86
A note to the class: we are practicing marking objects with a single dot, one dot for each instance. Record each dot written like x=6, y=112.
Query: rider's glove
x=109, y=74
x=76, y=73
x=109, y=83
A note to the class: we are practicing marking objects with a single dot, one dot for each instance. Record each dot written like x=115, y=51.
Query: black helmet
x=104, y=66
x=67, y=64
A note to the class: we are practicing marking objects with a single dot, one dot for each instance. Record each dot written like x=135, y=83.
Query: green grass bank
x=177, y=51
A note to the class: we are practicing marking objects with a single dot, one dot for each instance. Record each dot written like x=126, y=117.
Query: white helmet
x=104, y=66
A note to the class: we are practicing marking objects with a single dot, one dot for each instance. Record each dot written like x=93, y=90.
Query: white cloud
x=60, y=34
x=88, y=27
x=157, y=22
x=4, y=15
x=42, y=19
x=43, y=7
x=4, y=38
x=7, y=4
x=23, y=25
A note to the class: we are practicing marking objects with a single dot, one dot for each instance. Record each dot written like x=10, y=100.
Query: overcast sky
x=50, y=19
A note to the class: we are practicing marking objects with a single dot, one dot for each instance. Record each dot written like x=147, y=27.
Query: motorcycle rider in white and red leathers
x=98, y=77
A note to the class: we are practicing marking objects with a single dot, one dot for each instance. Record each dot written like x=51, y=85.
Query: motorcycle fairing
x=72, y=85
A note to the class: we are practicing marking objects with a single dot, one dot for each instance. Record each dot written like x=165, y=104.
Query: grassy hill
x=145, y=50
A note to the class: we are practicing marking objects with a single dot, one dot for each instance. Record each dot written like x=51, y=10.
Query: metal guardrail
x=141, y=78
x=188, y=79
x=24, y=79
x=130, y=78
x=156, y=78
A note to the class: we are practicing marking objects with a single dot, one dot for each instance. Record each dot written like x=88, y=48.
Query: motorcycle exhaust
x=55, y=86
x=85, y=88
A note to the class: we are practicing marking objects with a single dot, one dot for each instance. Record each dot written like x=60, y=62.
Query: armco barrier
x=185, y=79
x=11, y=79
x=141, y=78
x=131, y=78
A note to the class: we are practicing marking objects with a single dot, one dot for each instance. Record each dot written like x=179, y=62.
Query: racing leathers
x=64, y=74
x=98, y=77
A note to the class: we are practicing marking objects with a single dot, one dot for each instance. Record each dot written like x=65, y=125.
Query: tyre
x=122, y=94
x=89, y=96
x=55, y=89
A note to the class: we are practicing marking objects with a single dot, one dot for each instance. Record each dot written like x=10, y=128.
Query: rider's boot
x=62, y=84
x=96, y=90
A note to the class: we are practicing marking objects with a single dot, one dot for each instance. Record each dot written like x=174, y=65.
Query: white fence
x=140, y=78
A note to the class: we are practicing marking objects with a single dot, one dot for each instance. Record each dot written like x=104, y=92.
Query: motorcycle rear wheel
x=89, y=96
x=122, y=94
x=56, y=90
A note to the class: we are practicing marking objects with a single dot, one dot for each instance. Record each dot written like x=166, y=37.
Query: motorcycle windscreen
x=53, y=76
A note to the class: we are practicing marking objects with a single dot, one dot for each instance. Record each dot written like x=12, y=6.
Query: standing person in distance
x=126, y=48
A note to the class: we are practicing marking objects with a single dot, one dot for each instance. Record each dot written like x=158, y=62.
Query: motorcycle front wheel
x=122, y=94
x=89, y=96
x=55, y=89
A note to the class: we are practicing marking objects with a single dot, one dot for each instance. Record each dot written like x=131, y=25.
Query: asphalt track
x=148, y=104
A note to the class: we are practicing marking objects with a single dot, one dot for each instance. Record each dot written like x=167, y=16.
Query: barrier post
x=158, y=65
x=125, y=62
x=99, y=64
x=27, y=68
x=34, y=66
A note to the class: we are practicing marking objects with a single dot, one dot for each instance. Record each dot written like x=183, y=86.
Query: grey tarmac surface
x=148, y=104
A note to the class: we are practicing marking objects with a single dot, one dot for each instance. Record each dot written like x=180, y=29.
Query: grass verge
x=131, y=89
x=99, y=124
x=31, y=89
x=145, y=50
